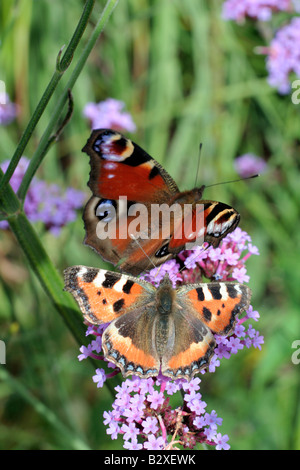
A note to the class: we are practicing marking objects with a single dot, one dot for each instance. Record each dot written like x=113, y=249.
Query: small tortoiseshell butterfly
x=154, y=330
x=120, y=168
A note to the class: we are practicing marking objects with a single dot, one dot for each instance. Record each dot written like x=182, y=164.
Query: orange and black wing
x=128, y=304
x=202, y=310
x=192, y=348
x=105, y=295
x=216, y=304
x=207, y=221
x=129, y=343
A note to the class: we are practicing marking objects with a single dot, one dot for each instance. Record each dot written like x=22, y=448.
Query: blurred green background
x=186, y=77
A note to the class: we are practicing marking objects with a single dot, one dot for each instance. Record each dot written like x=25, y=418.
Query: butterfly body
x=126, y=179
x=188, y=197
x=152, y=330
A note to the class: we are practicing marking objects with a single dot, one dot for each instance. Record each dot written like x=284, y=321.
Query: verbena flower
x=249, y=164
x=162, y=427
x=225, y=263
x=283, y=56
x=261, y=10
x=283, y=53
x=141, y=412
x=8, y=110
x=44, y=202
x=109, y=114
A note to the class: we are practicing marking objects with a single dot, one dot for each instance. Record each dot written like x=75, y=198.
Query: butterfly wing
x=201, y=310
x=128, y=304
x=122, y=175
x=207, y=221
x=129, y=342
x=216, y=304
x=112, y=241
x=192, y=347
x=105, y=295
x=119, y=167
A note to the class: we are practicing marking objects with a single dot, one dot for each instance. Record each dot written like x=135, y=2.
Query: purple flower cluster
x=283, y=53
x=45, y=202
x=143, y=416
x=283, y=56
x=109, y=114
x=249, y=164
x=225, y=263
x=261, y=10
x=8, y=110
x=141, y=412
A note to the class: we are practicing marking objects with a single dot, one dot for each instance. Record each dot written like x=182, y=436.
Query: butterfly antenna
x=140, y=246
x=234, y=181
x=198, y=164
x=184, y=267
x=158, y=268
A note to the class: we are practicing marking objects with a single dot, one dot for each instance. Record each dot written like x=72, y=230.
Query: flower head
x=248, y=164
x=261, y=10
x=221, y=442
x=283, y=56
x=100, y=377
x=154, y=443
x=185, y=426
x=8, y=110
x=109, y=114
x=44, y=202
x=150, y=425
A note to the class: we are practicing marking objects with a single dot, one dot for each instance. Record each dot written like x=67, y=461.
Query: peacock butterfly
x=126, y=181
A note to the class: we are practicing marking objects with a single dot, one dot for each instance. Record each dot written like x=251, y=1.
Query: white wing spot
x=206, y=292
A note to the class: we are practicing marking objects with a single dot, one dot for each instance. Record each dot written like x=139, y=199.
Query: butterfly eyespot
x=163, y=251
x=99, y=141
x=107, y=133
x=106, y=210
x=104, y=137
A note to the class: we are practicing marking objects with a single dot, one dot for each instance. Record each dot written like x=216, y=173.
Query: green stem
x=40, y=263
x=47, y=274
x=61, y=66
x=44, y=142
x=45, y=271
x=11, y=205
